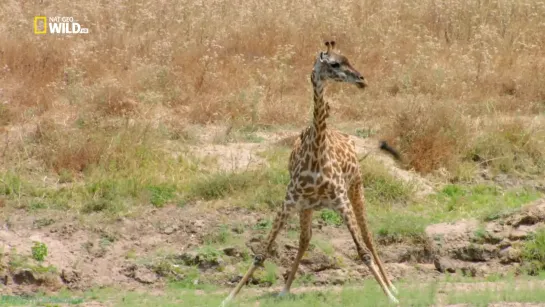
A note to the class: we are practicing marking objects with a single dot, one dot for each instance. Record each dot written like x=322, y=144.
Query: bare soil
x=87, y=256
x=128, y=251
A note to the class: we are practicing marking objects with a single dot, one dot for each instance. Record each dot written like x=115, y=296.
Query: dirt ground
x=125, y=253
x=83, y=260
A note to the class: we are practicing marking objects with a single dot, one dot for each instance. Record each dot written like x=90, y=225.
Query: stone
x=518, y=234
x=509, y=255
x=477, y=252
x=231, y=251
x=170, y=230
x=189, y=258
x=26, y=276
x=4, y=279
x=504, y=243
x=339, y=278
x=318, y=262
x=469, y=271
x=443, y=264
x=527, y=219
x=70, y=276
x=238, y=229
x=145, y=276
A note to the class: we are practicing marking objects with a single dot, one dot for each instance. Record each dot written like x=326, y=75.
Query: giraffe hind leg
x=348, y=215
x=358, y=204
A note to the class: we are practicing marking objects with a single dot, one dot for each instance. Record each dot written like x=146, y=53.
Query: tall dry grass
x=248, y=61
x=221, y=59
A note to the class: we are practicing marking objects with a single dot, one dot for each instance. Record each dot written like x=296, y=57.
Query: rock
x=198, y=223
x=401, y=253
x=170, y=230
x=504, y=243
x=4, y=278
x=292, y=247
x=493, y=237
x=195, y=227
x=318, y=262
x=469, y=271
x=139, y=273
x=235, y=279
x=70, y=276
x=189, y=258
x=527, y=219
x=477, y=252
x=339, y=278
x=481, y=270
x=204, y=261
x=26, y=276
x=238, y=229
x=231, y=252
x=518, y=234
x=509, y=255
x=497, y=228
x=230, y=269
x=443, y=264
x=145, y=275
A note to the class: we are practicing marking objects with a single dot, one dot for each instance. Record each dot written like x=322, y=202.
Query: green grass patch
x=221, y=236
x=258, y=189
x=453, y=202
x=485, y=202
x=381, y=188
x=511, y=291
x=533, y=253
x=185, y=293
x=38, y=300
x=39, y=251
x=331, y=217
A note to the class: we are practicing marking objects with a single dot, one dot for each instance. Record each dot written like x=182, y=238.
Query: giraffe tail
x=389, y=149
x=386, y=147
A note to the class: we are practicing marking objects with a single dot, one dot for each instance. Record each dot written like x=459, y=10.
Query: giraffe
x=324, y=173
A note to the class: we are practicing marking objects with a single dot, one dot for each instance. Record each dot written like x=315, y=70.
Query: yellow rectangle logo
x=36, y=19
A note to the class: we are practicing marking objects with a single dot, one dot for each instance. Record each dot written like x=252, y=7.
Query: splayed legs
x=278, y=224
x=305, y=218
x=365, y=254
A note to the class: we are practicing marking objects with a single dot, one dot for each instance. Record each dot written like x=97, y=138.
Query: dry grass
x=247, y=63
x=511, y=146
x=430, y=134
x=218, y=60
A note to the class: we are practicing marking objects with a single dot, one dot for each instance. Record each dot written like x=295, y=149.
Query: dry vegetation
x=433, y=67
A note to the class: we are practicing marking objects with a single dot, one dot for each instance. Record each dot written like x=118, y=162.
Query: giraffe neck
x=320, y=110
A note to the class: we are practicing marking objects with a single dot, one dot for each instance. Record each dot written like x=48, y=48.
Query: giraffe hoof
x=394, y=290
x=284, y=293
x=394, y=300
x=226, y=301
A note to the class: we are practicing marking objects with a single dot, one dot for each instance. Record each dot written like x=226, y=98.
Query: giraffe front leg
x=264, y=252
x=305, y=219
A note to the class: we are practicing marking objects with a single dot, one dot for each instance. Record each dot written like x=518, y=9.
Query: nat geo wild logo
x=57, y=25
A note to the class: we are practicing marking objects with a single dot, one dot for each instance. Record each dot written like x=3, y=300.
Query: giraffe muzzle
x=361, y=84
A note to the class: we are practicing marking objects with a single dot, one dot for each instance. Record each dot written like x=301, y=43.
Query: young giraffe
x=324, y=173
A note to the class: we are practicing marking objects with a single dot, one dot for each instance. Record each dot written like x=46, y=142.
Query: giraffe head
x=331, y=65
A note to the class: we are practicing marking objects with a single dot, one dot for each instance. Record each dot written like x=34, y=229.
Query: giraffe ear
x=321, y=57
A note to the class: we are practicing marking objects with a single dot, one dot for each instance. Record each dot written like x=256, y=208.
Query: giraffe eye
x=335, y=65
